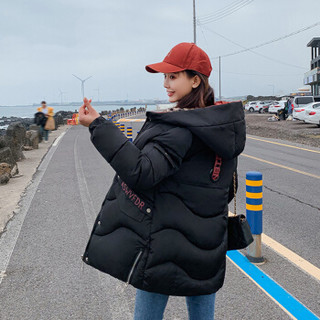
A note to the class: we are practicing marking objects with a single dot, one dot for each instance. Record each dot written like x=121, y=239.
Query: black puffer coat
x=162, y=226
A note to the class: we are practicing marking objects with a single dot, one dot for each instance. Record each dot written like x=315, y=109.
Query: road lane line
x=281, y=166
x=9, y=238
x=294, y=258
x=293, y=307
x=130, y=120
x=117, y=310
x=283, y=144
x=301, y=263
x=58, y=139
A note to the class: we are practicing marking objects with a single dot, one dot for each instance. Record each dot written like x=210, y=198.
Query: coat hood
x=221, y=126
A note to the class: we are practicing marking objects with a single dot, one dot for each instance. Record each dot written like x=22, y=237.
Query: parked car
x=313, y=115
x=300, y=101
x=258, y=106
x=250, y=106
x=299, y=113
x=276, y=106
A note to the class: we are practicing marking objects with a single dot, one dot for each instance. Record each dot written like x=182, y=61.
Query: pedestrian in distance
x=40, y=120
x=44, y=110
x=50, y=124
x=162, y=227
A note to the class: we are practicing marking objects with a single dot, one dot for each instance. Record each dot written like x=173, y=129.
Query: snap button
x=87, y=259
x=99, y=222
x=148, y=210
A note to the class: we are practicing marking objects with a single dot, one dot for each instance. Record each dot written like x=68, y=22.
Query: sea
x=28, y=111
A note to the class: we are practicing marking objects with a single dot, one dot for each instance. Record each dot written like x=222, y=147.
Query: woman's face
x=178, y=85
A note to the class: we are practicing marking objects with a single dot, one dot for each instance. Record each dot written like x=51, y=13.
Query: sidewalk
x=11, y=193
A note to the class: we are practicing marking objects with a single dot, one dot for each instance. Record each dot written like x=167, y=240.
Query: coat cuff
x=96, y=122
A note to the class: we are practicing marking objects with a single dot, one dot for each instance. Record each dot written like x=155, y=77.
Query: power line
x=271, y=41
x=261, y=75
x=223, y=13
x=248, y=49
x=227, y=7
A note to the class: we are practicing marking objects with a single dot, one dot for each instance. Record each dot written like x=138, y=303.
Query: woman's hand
x=87, y=113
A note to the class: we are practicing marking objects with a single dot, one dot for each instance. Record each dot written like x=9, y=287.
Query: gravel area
x=295, y=131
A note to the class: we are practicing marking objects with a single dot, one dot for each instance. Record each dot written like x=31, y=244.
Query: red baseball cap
x=184, y=56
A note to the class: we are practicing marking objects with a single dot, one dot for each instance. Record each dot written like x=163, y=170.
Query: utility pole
x=194, y=23
x=82, y=83
x=219, y=78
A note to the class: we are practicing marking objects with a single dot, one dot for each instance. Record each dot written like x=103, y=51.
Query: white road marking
x=9, y=238
x=301, y=263
x=55, y=143
x=118, y=310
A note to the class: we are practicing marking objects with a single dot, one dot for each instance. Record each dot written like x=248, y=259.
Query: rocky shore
x=18, y=135
x=11, y=192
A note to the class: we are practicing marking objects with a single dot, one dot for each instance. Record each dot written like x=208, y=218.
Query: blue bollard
x=254, y=209
x=129, y=133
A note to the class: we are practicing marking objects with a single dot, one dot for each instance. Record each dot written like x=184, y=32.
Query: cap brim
x=163, y=67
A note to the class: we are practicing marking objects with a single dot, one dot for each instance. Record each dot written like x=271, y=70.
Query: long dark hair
x=199, y=97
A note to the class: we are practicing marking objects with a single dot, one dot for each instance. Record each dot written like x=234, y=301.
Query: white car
x=313, y=115
x=276, y=106
x=257, y=106
x=250, y=106
x=299, y=113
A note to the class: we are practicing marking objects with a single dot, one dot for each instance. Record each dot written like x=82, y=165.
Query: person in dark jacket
x=40, y=120
x=163, y=224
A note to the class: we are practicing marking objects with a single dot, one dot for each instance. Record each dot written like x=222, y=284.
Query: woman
x=50, y=124
x=163, y=224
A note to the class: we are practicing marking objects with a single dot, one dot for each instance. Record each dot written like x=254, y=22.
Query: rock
x=31, y=140
x=36, y=128
x=58, y=120
x=3, y=141
x=14, y=170
x=4, y=179
x=5, y=168
x=7, y=156
x=5, y=172
x=61, y=117
x=27, y=148
x=15, y=134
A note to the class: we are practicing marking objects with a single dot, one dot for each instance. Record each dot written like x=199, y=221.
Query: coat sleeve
x=141, y=169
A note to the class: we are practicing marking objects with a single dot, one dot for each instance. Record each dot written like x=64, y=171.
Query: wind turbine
x=61, y=95
x=82, y=83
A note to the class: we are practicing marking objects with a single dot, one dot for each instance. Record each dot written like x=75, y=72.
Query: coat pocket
x=166, y=155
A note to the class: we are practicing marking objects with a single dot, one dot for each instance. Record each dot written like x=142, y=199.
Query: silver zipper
x=133, y=267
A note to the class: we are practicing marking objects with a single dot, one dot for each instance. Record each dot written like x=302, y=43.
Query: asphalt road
x=40, y=253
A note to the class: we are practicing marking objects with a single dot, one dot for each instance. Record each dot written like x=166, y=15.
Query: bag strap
x=234, y=194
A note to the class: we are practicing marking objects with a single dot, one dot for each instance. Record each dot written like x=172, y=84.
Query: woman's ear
x=196, y=82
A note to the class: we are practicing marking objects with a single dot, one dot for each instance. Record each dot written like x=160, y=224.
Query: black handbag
x=239, y=233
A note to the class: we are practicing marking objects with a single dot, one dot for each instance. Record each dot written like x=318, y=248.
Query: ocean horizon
x=28, y=111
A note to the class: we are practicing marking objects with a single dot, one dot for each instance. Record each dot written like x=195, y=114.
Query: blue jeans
x=151, y=306
x=45, y=134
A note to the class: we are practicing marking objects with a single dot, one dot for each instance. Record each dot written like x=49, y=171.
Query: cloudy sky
x=44, y=42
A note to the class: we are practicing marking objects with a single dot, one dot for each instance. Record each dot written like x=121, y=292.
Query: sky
x=42, y=43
